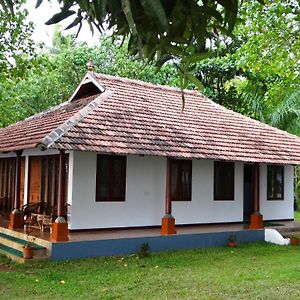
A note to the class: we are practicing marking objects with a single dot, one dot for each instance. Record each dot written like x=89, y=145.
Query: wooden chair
x=33, y=221
x=29, y=209
x=46, y=223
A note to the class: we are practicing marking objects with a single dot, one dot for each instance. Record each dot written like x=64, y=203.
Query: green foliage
x=216, y=74
x=144, y=251
x=258, y=73
x=15, y=39
x=271, y=46
x=287, y=113
x=53, y=77
x=157, y=30
x=232, y=238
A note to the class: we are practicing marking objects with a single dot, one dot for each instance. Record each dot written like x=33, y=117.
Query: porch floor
x=119, y=233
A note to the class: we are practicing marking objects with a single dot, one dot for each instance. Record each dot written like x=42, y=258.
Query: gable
x=87, y=87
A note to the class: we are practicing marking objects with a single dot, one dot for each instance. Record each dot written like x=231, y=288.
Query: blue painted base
x=82, y=249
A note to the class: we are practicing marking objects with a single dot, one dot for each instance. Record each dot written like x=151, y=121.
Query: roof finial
x=90, y=65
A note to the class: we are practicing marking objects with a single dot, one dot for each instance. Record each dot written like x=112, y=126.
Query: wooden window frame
x=221, y=196
x=179, y=191
x=110, y=197
x=275, y=168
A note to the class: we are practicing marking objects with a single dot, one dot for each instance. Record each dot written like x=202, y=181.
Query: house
x=123, y=153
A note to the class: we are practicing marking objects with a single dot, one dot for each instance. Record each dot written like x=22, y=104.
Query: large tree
x=270, y=47
x=158, y=30
x=15, y=36
x=258, y=72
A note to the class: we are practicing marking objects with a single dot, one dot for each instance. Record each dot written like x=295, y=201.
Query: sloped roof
x=134, y=117
x=30, y=132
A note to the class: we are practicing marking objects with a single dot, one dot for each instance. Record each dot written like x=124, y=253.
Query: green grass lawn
x=251, y=271
x=297, y=215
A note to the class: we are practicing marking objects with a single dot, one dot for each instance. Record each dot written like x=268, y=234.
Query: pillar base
x=256, y=221
x=59, y=232
x=16, y=220
x=167, y=225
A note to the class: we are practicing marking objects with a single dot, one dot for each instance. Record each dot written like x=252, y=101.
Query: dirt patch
x=5, y=268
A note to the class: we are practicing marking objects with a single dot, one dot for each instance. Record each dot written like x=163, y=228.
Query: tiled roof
x=146, y=119
x=30, y=132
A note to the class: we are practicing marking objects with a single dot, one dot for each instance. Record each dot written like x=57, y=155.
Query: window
x=223, y=180
x=275, y=182
x=181, y=179
x=111, y=178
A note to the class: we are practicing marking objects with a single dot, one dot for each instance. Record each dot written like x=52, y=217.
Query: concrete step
x=22, y=235
x=288, y=234
x=18, y=244
x=17, y=255
x=285, y=230
x=12, y=243
x=12, y=253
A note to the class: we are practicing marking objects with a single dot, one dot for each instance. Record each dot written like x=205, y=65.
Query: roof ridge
x=58, y=132
x=145, y=83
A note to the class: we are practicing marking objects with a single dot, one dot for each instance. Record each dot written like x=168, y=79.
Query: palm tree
x=286, y=116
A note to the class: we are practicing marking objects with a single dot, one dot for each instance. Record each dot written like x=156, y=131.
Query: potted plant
x=294, y=240
x=28, y=248
x=232, y=241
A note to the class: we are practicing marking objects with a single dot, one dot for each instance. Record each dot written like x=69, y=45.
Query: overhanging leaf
x=193, y=58
x=74, y=23
x=231, y=5
x=155, y=8
x=38, y=3
x=195, y=81
x=129, y=17
x=162, y=61
x=60, y=16
x=211, y=12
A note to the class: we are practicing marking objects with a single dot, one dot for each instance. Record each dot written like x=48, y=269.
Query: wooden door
x=35, y=174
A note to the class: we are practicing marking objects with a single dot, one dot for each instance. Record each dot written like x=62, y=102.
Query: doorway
x=248, y=191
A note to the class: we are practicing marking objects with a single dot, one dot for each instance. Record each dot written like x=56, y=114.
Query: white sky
x=44, y=33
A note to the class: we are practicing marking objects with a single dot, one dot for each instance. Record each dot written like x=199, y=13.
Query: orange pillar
x=168, y=221
x=16, y=219
x=60, y=226
x=256, y=219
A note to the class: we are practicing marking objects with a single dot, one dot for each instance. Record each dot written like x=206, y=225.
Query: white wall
x=277, y=209
x=145, y=195
x=202, y=208
x=145, y=191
